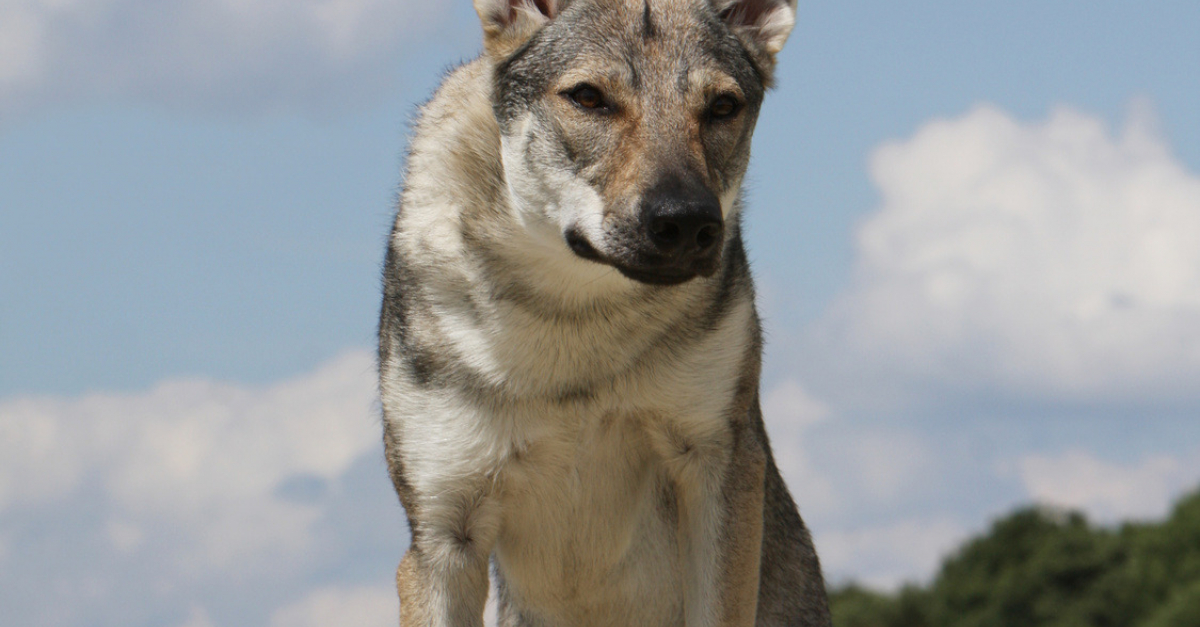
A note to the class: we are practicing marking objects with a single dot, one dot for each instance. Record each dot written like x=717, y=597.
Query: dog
x=569, y=351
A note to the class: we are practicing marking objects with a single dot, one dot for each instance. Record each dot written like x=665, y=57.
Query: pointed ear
x=763, y=24
x=507, y=24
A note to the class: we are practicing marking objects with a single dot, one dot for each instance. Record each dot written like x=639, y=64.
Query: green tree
x=1036, y=567
x=1040, y=567
x=854, y=606
x=1182, y=610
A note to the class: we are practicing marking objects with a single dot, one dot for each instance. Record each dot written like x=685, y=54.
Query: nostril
x=665, y=231
x=707, y=236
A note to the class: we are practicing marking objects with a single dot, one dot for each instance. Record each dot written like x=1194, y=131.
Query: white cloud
x=839, y=471
x=224, y=54
x=792, y=408
x=887, y=465
x=1048, y=259
x=887, y=556
x=198, y=618
x=1108, y=491
x=370, y=606
x=193, y=485
x=833, y=466
x=21, y=35
x=790, y=413
x=187, y=445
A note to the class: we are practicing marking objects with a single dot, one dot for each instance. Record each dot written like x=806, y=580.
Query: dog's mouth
x=582, y=247
x=657, y=276
x=650, y=270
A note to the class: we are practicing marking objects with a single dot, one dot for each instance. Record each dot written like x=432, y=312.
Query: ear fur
x=763, y=24
x=507, y=24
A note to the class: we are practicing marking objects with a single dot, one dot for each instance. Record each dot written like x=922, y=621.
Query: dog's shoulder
x=461, y=104
x=454, y=159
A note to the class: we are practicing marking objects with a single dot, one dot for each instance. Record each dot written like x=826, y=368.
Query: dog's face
x=626, y=124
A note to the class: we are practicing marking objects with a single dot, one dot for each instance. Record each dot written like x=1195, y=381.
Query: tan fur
x=595, y=434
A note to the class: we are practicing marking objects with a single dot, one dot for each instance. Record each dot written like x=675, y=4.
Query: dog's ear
x=507, y=24
x=763, y=24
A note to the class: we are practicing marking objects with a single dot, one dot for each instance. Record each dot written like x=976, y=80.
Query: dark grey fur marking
x=649, y=31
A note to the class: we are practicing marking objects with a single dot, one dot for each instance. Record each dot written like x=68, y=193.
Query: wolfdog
x=569, y=350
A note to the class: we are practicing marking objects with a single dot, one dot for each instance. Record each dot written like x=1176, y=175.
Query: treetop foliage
x=1041, y=567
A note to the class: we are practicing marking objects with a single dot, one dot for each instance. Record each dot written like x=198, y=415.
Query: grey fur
x=597, y=436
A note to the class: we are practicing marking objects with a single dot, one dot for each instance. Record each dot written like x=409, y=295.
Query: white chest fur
x=589, y=524
x=572, y=494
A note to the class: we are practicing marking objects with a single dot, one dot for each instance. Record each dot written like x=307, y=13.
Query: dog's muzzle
x=678, y=235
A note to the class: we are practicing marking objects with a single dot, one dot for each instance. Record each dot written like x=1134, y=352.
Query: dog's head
x=626, y=124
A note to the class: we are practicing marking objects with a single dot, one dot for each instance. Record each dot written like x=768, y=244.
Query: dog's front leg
x=719, y=479
x=443, y=578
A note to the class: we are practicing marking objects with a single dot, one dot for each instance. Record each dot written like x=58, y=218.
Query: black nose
x=682, y=219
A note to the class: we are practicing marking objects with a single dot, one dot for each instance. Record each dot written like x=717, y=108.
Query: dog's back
x=569, y=352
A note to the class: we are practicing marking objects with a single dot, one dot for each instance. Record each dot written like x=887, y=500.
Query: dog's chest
x=589, y=519
x=565, y=442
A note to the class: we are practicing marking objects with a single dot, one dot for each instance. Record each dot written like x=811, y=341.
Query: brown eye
x=723, y=108
x=587, y=97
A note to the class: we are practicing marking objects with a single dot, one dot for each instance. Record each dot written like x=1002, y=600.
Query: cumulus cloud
x=198, y=618
x=790, y=413
x=1109, y=491
x=369, y=606
x=839, y=470
x=889, y=555
x=831, y=463
x=132, y=504
x=185, y=445
x=224, y=54
x=1052, y=259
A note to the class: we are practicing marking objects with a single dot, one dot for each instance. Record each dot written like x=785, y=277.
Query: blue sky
x=975, y=230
